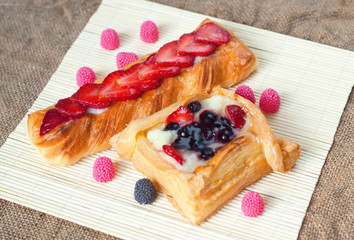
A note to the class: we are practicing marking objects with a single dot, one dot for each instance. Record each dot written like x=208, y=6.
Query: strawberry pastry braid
x=83, y=124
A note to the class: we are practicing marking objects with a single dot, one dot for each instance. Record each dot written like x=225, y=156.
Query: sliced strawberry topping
x=181, y=116
x=125, y=81
x=235, y=114
x=51, y=120
x=167, y=56
x=212, y=33
x=111, y=90
x=170, y=151
x=125, y=78
x=129, y=77
x=151, y=86
x=88, y=96
x=71, y=109
x=188, y=45
x=150, y=70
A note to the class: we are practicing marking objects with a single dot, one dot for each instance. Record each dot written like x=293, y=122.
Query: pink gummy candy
x=252, y=204
x=246, y=92
x=109, y=39
x=124, y=58
x=103, y=170
x=149, y=32
x=85, y=75
x=269, y=101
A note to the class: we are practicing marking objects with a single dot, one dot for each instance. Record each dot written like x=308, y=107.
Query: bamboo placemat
x=313, y=80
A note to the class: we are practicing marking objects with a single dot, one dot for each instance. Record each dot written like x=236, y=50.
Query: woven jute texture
x=35, y=35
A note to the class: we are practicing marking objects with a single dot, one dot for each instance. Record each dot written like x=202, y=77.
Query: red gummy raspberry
x=85, y=75
x=246, y=92
x=252, y=204
x=124, y=58
x=109, y=39
x=269, y=101
x=103, y=170
x=149, y=32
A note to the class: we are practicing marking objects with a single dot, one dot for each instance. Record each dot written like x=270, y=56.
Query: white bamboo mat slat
x=313, y=81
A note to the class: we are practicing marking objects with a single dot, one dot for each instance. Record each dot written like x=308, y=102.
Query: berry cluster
x=199, y=135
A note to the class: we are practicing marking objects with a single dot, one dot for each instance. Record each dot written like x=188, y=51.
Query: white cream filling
x=191, y=163
x=216, y=104
x=96, y=111
x=158, y=137
x=198, y=59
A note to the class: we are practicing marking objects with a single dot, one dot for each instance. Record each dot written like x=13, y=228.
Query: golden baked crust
x=69, y=142
x=254, y=153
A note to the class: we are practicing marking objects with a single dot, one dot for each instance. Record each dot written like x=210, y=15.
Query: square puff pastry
x=243, y=161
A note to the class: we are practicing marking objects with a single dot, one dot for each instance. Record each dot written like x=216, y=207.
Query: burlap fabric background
x=35, y=35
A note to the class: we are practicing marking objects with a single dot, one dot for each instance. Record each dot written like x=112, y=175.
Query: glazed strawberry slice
x=51, y=120
x=170, y=151
x=236, y=115
x=151, y=86
x=128, y=77
x=70, y=108
x=150, y=70
x=212, y=33
x=111, y=90
x=188, y=45
x=88, y=96
x=167, y=56
x=124, y=79
x=181, y=116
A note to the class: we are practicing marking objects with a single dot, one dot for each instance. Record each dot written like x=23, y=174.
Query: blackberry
x=194, y=106
x=206, y=153
x=172, y=126
x=225, y=135
x=185, y=131
x=209, y=135
x=144, y=191
x=195, y=125
x=180, y=143
x=196, y=144
x=207, y=119
x=197, y=140
x=223, y=123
